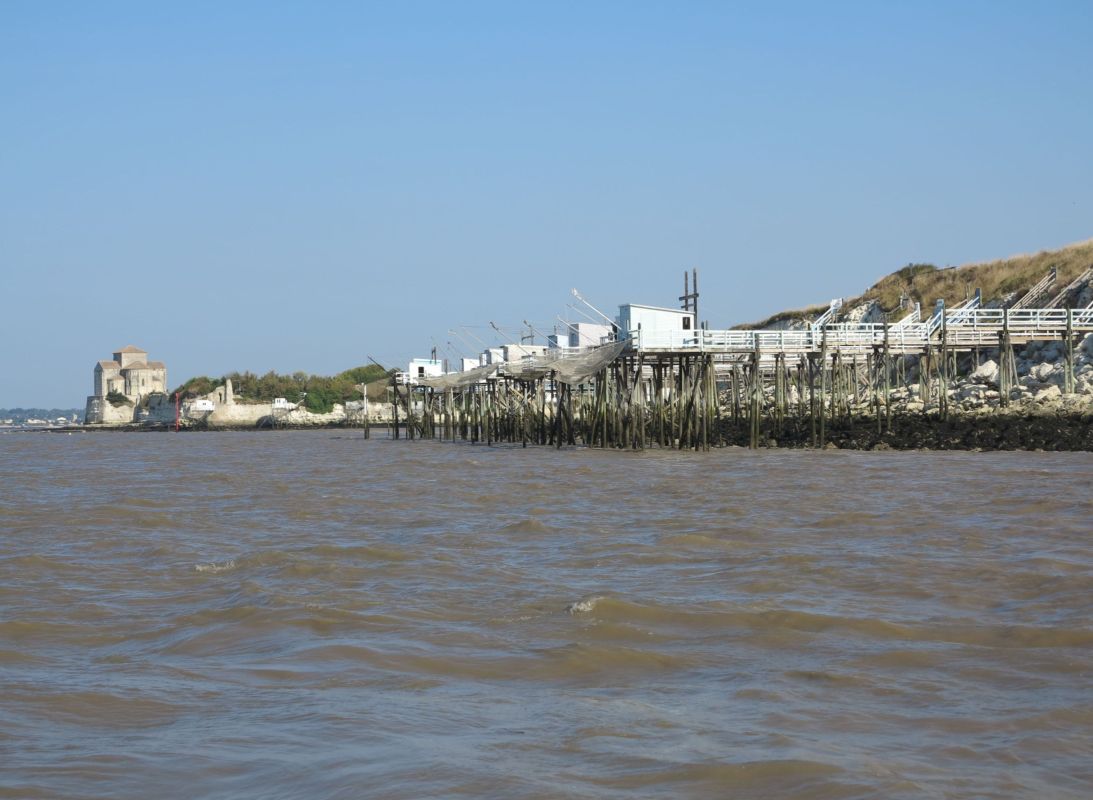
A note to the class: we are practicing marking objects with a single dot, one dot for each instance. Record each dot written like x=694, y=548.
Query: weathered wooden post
x=394, y=406
x=812, y=411
x=1068, y=342
x=755, y=404
x=823, y=389
x=887, y=366
x=943, y=372
x=925, y=364
x=1005, y=352
x=800, y=391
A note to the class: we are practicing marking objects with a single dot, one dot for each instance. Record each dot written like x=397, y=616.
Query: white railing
x=966, y=324
x=1060, y=298
x=934, y=322
x=1035, y=318
x=1034, y=293
x=828, y=315
x=963, y=311
x=913, y=318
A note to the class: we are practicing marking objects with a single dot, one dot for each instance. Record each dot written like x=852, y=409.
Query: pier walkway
x=961, y=328
x=697, y=388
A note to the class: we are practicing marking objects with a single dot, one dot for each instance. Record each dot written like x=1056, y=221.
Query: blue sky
x=296, y=186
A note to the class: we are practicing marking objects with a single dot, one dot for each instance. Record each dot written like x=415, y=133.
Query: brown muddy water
x=309, y=614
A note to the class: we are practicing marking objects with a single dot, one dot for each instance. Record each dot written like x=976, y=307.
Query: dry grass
x=926, y=284
x=798, y=313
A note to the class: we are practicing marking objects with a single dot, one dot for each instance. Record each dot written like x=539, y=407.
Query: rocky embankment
x=1039, y=415
x=1024, y=426
x=220, y=410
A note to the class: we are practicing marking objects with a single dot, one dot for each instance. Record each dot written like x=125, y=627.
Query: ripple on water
x=409, y=619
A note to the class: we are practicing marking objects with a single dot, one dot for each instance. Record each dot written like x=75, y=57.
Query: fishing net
x=457, y=380
x=568, y=367
x=527, y=369
x=576, y=369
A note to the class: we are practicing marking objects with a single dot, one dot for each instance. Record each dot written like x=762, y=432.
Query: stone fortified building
x=130, y=375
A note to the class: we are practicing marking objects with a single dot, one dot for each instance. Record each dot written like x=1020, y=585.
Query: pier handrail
x=1036, y=291
x=827, y=316
x=911, y=319
x=934, y=322
x=967, y=324
x=1060, y=298
x=962, y=311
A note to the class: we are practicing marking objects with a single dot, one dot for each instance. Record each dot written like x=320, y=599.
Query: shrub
x=912, y=271
x=320, y=400
x=322, y=392
x=118, y=399
x=195, y=387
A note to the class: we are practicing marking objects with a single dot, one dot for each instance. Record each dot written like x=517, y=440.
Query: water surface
x=309, y=614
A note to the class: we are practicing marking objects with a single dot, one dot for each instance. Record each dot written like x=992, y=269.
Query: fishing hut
x=662, y=380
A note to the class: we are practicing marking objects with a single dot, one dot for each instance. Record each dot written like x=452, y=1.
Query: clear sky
x=296, y=186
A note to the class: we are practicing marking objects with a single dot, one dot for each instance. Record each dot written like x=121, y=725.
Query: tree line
x=318, y=392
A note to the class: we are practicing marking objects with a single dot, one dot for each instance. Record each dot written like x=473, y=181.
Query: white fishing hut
x=653, y=326
x=424, y=368
x=590, y=334
x=516, y=352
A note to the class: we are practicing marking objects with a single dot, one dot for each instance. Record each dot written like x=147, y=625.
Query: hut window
x=686, y=323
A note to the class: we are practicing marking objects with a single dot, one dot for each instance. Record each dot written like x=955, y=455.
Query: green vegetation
x=319, y=392
x=195, y=387
x=118, y=399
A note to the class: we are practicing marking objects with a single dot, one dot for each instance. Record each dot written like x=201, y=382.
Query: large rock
x=865, y=313
x=986, y=374
x=1052, y=392
x=1051, y=351
x=1005, y=301
x=1042, y=372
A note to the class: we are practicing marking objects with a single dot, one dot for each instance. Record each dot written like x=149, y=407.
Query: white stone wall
x=142, y=382
x=99, y=411
x=106, y=381
x=125, y=359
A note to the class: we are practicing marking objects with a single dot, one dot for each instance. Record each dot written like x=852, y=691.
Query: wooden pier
x=694, y=389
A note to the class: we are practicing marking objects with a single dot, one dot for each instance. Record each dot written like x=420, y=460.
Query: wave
x=602, y=607
x=216, y=566
x=528, y=525
x=772, y=778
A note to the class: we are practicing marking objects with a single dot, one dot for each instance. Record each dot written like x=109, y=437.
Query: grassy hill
x=926, y=283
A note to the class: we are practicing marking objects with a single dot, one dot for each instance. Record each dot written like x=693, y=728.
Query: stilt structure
x=713, y=387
